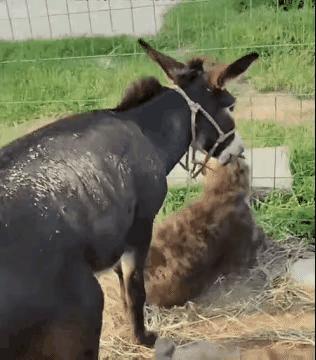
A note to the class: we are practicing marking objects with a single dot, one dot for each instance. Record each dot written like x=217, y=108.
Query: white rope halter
x=195, y=108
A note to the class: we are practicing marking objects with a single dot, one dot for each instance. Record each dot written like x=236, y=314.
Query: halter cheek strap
x=195, y=108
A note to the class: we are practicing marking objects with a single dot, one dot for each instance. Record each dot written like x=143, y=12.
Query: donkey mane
x=138, y=93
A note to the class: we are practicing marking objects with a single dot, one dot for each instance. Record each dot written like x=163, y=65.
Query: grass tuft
x=48, y=87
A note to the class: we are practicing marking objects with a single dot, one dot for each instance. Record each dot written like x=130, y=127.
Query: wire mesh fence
x=277, y=127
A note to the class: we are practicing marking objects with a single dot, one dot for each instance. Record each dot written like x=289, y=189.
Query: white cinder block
x=17, y=8
x=57, y=7
x=121, y=17
x=101, y=23
x=5, y=33
x=80, y=24
x=40, y=28
x=37, y=8
x=3, y=11
x=264, y=173
x=77, y=6
x=142, y=3
x=97, y=5
x=122, y=22
x=60, y=26
x=120, y=4
x=21, y=29
x=144, y=20
x=270, y=167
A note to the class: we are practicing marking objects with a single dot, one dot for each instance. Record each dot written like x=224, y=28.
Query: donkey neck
x=166, y=122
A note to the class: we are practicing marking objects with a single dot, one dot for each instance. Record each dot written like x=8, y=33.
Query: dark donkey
x=80, y=194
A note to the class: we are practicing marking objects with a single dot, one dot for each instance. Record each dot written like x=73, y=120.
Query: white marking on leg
x=128, y=264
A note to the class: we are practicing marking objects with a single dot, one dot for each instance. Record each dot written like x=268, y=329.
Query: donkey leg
x=133, y=261
x=72, y=328
x=74, y=333
x=119, y=272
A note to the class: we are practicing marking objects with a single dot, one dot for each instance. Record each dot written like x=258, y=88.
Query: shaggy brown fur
x=213, y=236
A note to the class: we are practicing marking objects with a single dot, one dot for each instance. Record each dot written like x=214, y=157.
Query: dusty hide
x=212, y=237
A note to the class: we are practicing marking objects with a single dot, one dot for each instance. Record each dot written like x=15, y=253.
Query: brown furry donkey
x=213, y=236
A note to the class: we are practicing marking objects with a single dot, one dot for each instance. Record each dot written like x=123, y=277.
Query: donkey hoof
x=148, y=338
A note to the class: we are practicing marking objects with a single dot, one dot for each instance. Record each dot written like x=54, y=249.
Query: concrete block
x=37, y=9
x=17, y=9
x=119, y=4
x=122, y=22
x=166, y=2
x=60, y=25
x=99, y=5
x=6, y=33
x=3, y=12
x=40, y=28
x=77, y=6
x=57, y=7
x=269, y=169
x=135, y=17
x=142, y=3
x=80, y=24
x=21, y=29
x=101, y=23
x=144, y=20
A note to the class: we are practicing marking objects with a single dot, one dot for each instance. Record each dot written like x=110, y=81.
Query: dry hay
x=268, y=308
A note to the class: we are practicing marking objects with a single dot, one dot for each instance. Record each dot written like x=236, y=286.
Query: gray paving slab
x=270, y=169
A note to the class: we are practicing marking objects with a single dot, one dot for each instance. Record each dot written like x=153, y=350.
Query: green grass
x=281, y=214
x=37, y=90
x=48, y=87
x=44, y=89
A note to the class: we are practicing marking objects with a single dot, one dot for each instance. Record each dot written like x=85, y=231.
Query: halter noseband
x=195, y=108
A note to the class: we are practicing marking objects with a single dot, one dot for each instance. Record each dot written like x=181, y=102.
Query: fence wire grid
x=256, y=112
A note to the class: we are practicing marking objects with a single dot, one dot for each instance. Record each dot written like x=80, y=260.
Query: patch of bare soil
x=263, y=314
x=271, y=106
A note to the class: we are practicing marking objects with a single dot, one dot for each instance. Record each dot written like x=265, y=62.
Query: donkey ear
x=236, y=68
x=169, y=65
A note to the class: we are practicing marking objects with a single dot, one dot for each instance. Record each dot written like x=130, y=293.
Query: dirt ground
x=265, y=317
x=271, y=106
x=276, y=335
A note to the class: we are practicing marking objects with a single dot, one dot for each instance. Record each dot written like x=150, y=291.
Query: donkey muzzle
x=234, y=150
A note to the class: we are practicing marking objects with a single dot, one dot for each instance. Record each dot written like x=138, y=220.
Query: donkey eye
x=209, y=90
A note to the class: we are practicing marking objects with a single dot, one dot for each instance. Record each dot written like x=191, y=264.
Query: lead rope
x=195, y=108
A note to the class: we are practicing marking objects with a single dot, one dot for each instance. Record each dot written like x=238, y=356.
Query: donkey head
x=207, y=88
